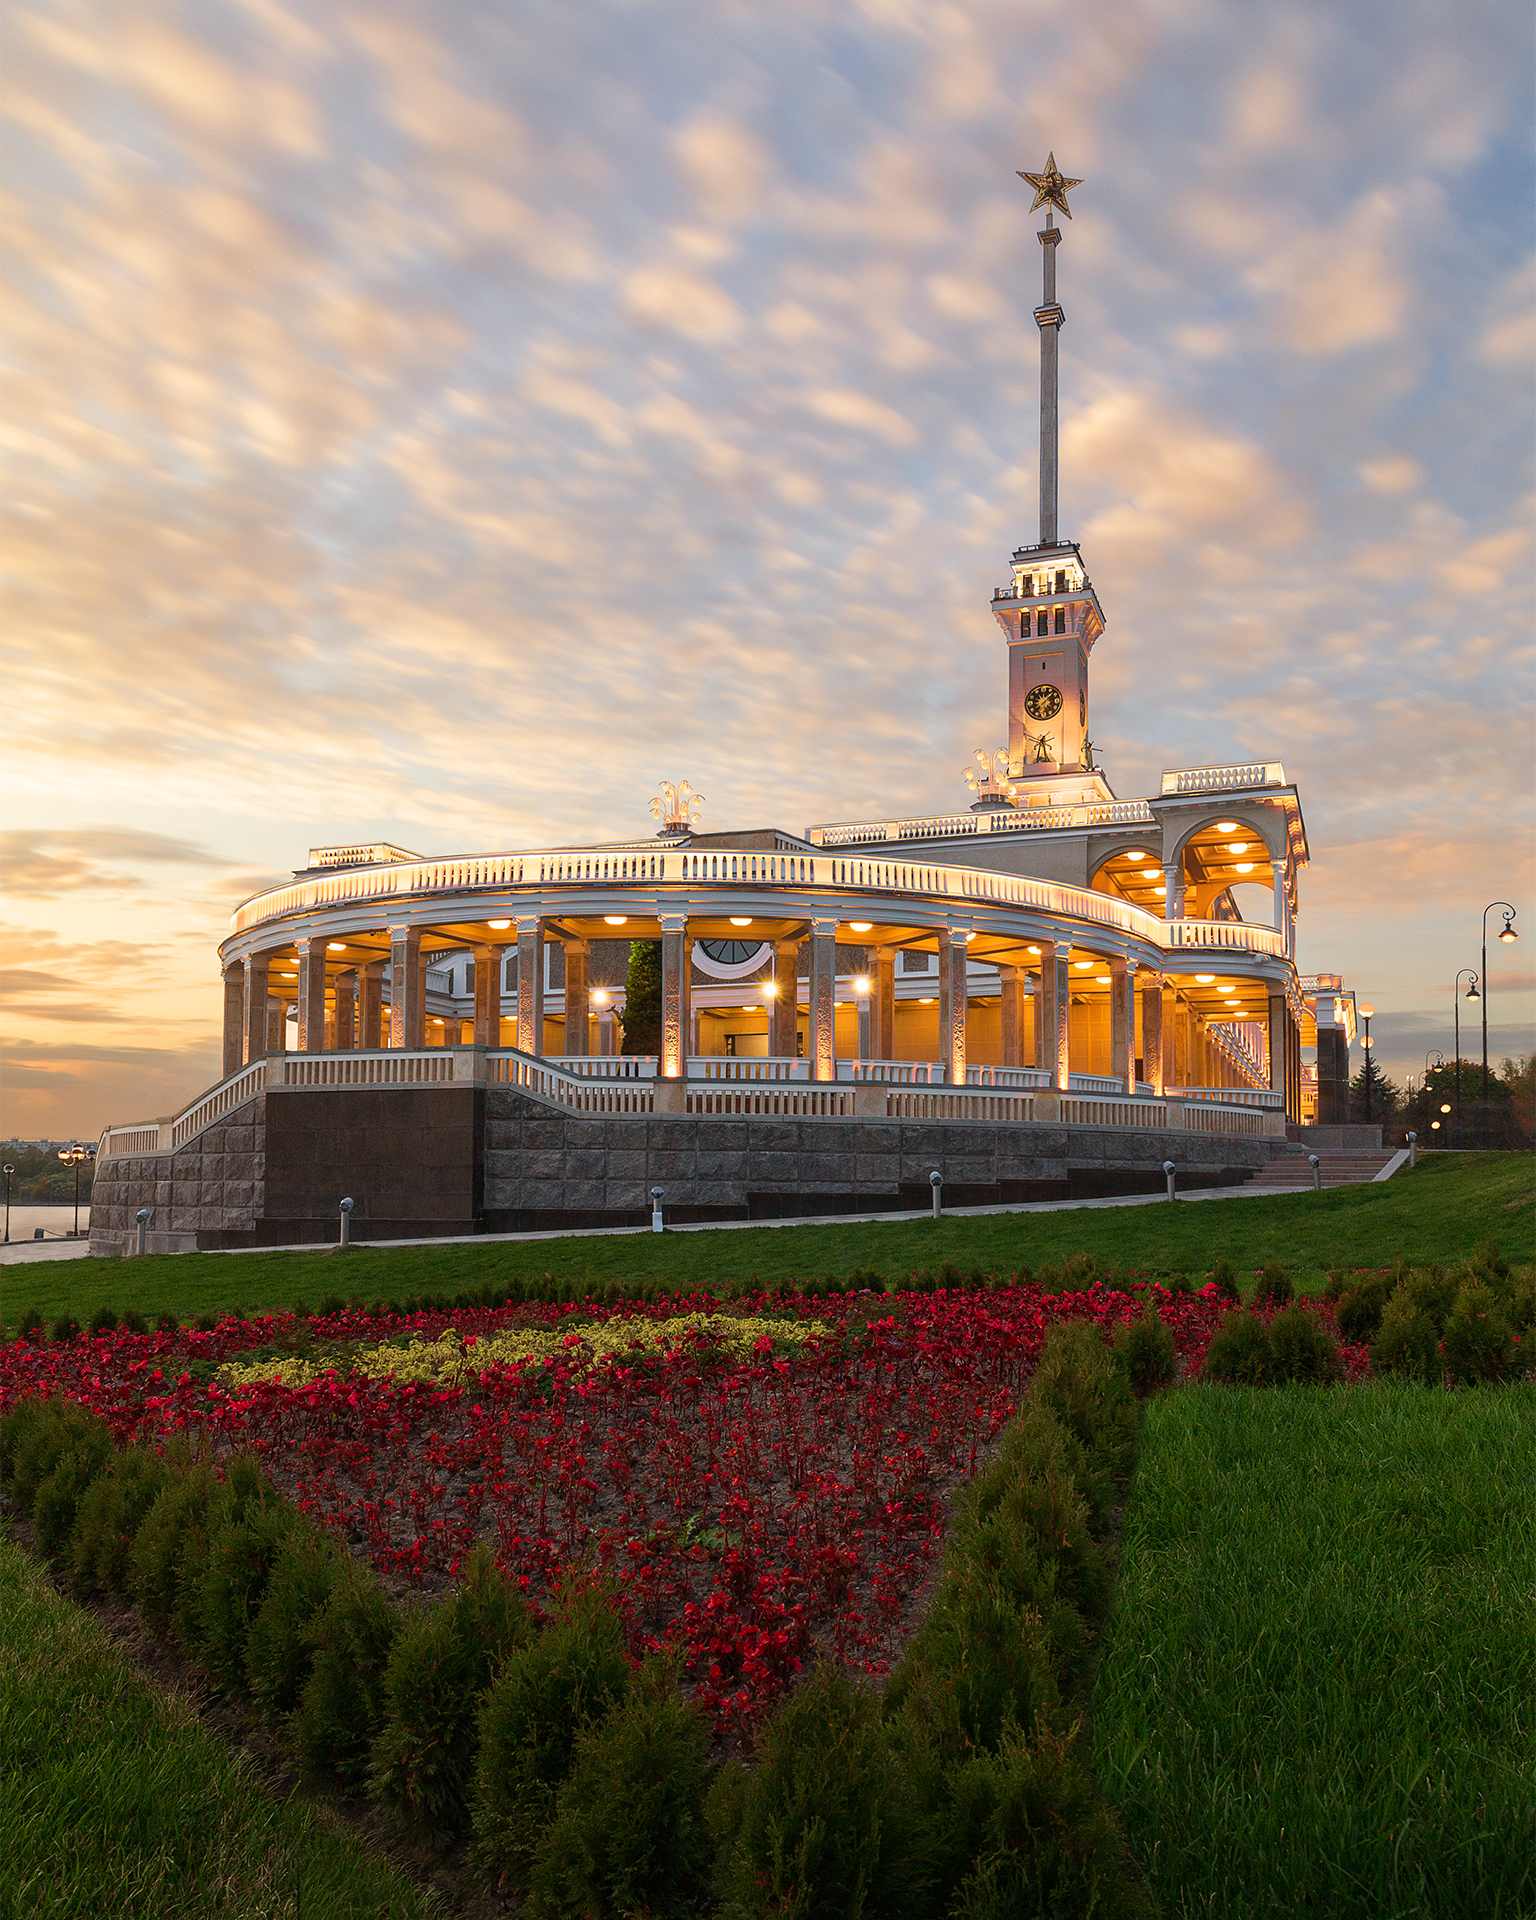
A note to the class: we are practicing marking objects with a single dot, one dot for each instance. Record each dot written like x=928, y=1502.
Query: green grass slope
x=1439, y=1212
x=115, y=1800
x=1318, y=1691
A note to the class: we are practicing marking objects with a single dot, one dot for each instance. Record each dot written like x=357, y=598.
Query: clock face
x=1043, y=702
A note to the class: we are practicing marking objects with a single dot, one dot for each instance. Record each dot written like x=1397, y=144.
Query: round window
x=731, y=959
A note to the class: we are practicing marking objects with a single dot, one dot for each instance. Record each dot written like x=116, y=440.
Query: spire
x=1051, y=188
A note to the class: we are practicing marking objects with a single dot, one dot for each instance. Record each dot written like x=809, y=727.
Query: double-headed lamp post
x=76, y=1156
x=1365, y=1041
x=1506, y=932
x=1456, y=998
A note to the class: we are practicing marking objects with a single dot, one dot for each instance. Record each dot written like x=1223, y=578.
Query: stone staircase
x=1289, y=1171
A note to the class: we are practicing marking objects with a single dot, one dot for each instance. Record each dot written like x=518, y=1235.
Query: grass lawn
x=114, y=1799
x=1439, y=1212
x=1318, y=1690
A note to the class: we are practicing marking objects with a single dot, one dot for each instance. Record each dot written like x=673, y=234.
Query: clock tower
x=1050, y=615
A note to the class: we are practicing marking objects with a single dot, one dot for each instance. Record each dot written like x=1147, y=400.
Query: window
x=1041, y=621
x=1061, y=581
x=1061, y=619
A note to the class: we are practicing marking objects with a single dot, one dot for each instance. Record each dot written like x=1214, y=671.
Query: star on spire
x=1051, y=187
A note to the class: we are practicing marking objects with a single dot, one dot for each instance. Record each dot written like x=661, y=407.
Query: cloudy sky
x=440, y=424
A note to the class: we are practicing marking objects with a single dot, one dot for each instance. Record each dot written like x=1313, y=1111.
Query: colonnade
x=1152, y=1025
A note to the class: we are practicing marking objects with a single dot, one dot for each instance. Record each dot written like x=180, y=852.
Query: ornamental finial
x=1051, y=187
x=677, y=810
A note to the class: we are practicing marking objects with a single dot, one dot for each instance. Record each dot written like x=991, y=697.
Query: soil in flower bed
x=745, y=1513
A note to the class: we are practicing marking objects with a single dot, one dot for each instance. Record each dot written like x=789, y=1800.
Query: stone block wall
x=209, y=1193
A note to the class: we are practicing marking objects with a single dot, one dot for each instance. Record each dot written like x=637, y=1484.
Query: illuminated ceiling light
x=1102, y=978
x=1226, y=826
x=1245, y=866
x=1035, y=951
x=336, y=946
x=925, y=1003
x=599, y=998
x=1434, y=1124
x=498, y=926
x=1205, y=979
x=861, y=984
x=1237, y=846
x=1160, y=890
x=1135, y=854
x=739, y=923
x=1151, y=873
x=858, y=926
x=615, y=919
x=1230, y=1003
x=1082, y=965
x=1445, y=1109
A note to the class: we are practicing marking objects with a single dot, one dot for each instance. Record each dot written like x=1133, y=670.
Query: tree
x=1384, y=1094
x=1518, y=1077
x=642, y=998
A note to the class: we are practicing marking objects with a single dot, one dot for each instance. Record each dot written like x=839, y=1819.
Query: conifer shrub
x=30, y=1325
x=133, y=1322
x=1027, y=1831
x=1078, y=1378
x=166, y=1323
x=341, y=1709
x=826, y=1819
x=1273, y=1288
x=64, y=1329
x=205, y=1323
x=1240, y=1354
x=1407, y=1344
x=1361, y=1306
x=1336, y=1285
x=574, y=1672
x=1430, y=1291
x=440, y=1665
x=1479, y=1341
x=103, y=1320
x=40, y=1434
x=1303, y=1348
x=1224, y=1279
x=178, y=1515
x=1146, y=1352
x=110, y=1515
x=58, y=1497
x=280, y=1647
x=242, y=1550
x=628, y=1834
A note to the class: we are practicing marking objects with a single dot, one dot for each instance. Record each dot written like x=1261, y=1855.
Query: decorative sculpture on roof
x=988, y=779
x=678, y=808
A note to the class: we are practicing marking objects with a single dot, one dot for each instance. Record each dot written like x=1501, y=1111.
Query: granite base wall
x=431, y=1161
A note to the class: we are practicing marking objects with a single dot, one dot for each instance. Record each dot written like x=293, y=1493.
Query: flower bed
x=756, y=1479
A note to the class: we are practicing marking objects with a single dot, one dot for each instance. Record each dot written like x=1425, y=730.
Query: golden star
x=1051, y=187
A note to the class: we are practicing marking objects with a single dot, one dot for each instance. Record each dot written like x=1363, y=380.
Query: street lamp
x=1456, y=997
x=1365, y=1013
x=9, y=1169
x=1506, y=932
x=76, y=1156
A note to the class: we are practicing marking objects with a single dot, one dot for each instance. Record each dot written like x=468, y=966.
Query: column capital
x=672, y=922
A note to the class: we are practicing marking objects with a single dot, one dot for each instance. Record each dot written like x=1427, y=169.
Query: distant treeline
x=41, y=1175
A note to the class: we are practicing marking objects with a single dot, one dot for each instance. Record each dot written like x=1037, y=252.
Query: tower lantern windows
x=1061, y=619
x=1061, y=579
x=1042, y=622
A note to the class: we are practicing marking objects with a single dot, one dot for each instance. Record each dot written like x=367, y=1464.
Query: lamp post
x=1365, y=1042
x=9, y=1169
x=76, y=1156
x=1506, y=932
x=1472, y=994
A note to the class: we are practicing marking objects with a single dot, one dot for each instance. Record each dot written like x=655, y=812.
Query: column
x=346, y=1008
x=676, y=966
x=578, y=996
x=783, y=1040
x=882, y=1005
x=255, y=1006
x=489, y=961
x=1122, y=1022
x=1152, y=1034
x=1014, y=984
x=530, y=985
x=1279, y=1043
x=311, y=995
x=1173, y=880
x=277, y=1025
x=234, y=1018
x=370, y=1004
x=823, y=1035
x=407, y=989
x=1053, y=1049
x=953, y=950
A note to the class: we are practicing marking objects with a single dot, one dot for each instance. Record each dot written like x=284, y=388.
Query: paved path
x=75, y=1250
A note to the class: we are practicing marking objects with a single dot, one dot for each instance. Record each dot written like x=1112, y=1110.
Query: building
x=1049, y=990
